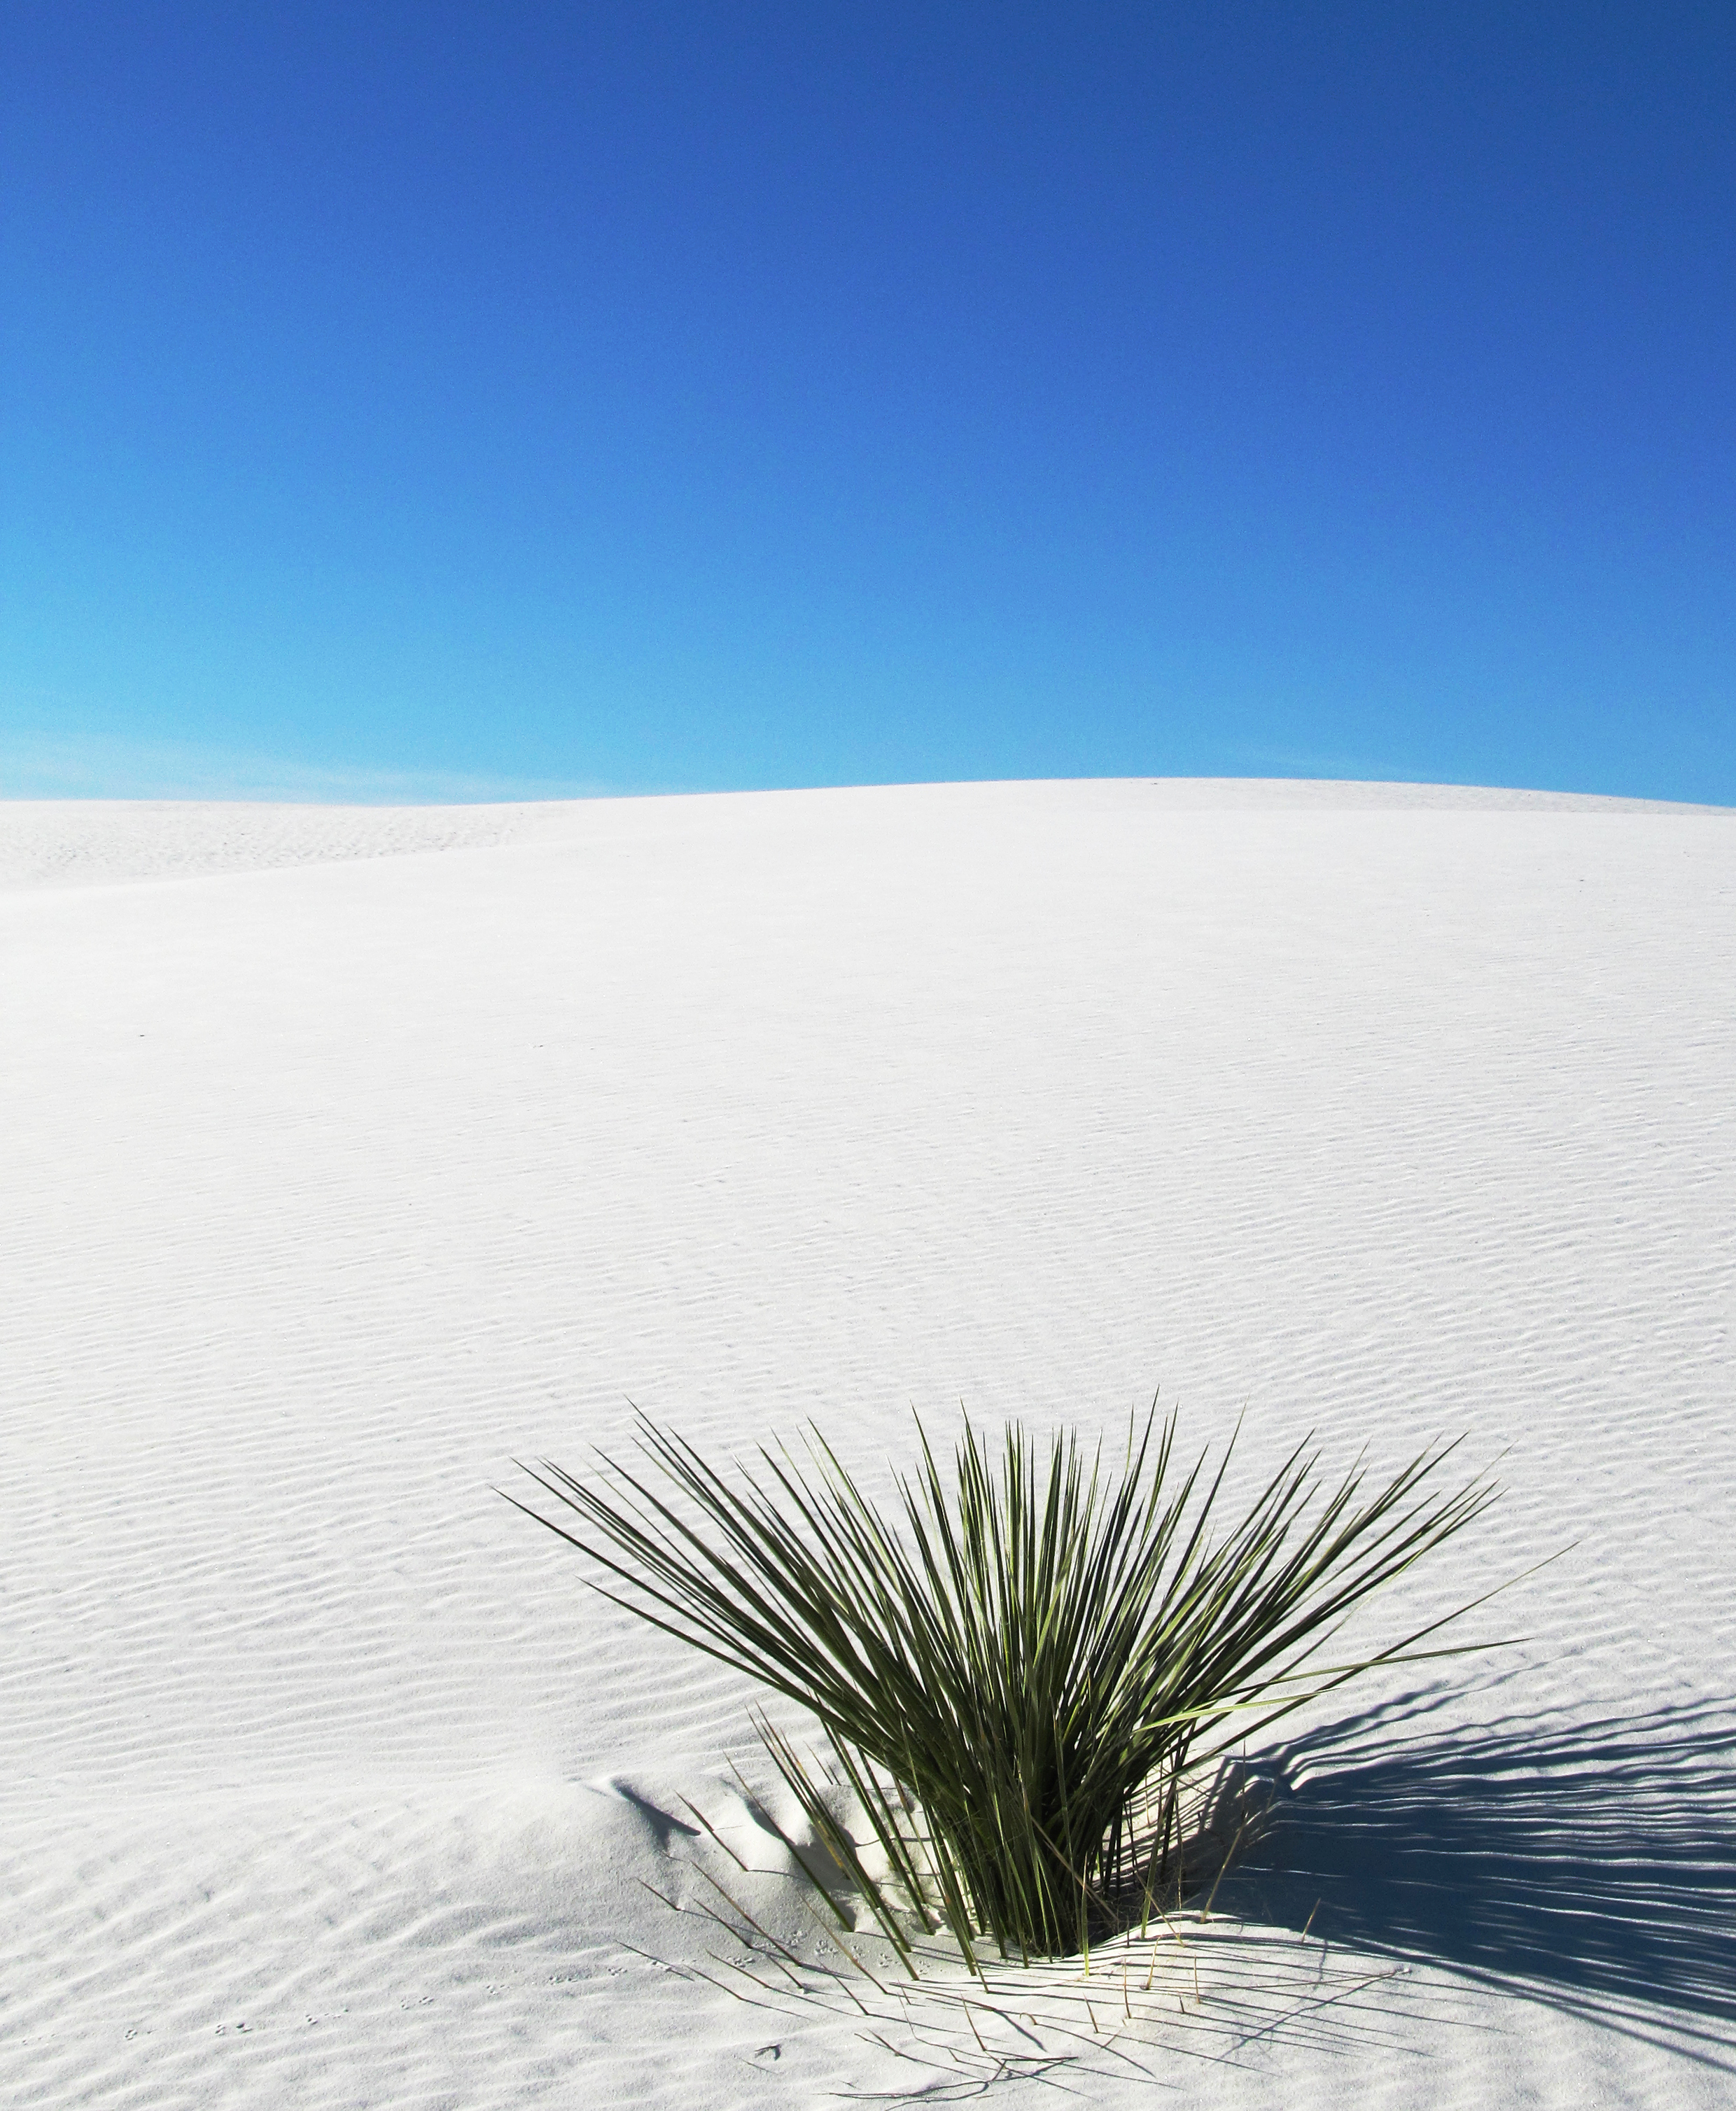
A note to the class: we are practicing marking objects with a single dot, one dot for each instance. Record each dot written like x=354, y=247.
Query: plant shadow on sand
x=1590, y=1865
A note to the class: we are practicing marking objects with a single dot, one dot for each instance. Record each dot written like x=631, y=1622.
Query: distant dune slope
x=383, y=1146
x=75, y=843
x=50, y=843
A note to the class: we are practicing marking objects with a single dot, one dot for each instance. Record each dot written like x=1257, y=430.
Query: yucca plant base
x=881, y=1846
x=1021, y=1674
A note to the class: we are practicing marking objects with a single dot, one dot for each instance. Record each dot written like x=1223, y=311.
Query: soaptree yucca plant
x=1016, y=1670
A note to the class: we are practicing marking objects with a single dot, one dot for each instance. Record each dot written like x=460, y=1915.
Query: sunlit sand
x=351, y=1153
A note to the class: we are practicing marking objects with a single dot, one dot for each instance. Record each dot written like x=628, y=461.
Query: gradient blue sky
x=429, y=400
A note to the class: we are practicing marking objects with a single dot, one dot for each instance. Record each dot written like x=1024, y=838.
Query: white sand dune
x=349, y=1154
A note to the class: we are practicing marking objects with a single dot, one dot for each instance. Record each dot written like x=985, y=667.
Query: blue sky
x=471, y=402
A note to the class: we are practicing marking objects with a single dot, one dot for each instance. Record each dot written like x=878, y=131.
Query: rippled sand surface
x=350, y=1153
